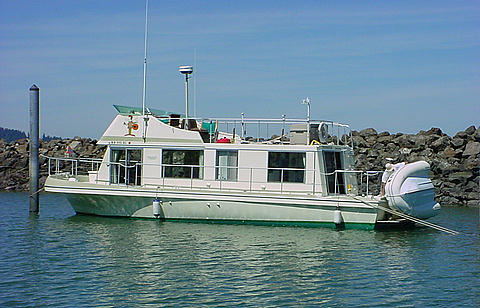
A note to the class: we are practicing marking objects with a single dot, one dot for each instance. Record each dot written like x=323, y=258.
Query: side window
x=227, y=165
x=286, y=167
x=182, y=164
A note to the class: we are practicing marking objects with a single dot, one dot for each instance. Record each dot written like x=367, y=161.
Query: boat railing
x=282, y=180
x=269, y=130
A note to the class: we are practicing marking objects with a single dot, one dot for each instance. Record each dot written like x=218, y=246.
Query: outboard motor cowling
x=410, y=191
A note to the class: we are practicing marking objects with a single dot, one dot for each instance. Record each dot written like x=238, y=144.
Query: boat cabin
x=158, y=150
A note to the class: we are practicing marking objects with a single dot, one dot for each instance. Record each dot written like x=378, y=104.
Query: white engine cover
x=410, y=191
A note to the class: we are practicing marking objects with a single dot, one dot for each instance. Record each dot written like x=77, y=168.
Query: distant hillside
x=13, y=135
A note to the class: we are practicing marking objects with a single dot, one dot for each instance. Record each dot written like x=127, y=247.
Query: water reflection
x=66, y=260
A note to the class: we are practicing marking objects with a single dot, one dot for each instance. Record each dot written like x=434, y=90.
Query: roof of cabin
x=129, y=110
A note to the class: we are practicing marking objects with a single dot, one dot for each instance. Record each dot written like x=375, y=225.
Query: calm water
x=60, y=259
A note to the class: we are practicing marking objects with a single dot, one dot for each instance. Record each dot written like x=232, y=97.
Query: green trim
x=302, y=224
x=305, y=224
x=128, y=110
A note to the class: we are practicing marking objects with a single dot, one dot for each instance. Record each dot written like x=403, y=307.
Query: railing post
x=191, y=177
x=220, y=177
x=243, y=126
x=49, y=171
x=136, y=174
x=163, y=175
x=251, y=171
x=338, y=135
x=335, y=175
x=314, y=174
x=210, y=130
x=281, y=181
x=367, y=182
x=361, y=182
x=96, y=176
x=258, y=131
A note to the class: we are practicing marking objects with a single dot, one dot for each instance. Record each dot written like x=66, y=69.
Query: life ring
x=135, y=126
x=314, y=142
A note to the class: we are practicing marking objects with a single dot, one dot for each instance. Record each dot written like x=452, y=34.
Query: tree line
x=14, y=134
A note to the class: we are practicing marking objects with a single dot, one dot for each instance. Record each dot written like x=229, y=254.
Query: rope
x=36, y=192
x=411, y=218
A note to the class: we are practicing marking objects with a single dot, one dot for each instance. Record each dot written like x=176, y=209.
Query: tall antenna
x=145, y=60
x=145, y=119
x=195, y=83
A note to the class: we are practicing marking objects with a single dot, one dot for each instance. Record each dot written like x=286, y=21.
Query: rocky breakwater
x=454, y=161
x=14, y=159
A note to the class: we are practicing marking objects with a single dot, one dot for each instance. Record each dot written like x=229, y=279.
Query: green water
x=65, y=260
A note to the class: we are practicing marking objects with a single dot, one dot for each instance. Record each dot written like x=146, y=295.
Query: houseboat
x=166, y=166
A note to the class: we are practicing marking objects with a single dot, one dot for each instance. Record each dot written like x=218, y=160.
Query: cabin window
x=286, y=167
x=227, y=165
x=182, y=164
x=335, y=181
x=126, y=166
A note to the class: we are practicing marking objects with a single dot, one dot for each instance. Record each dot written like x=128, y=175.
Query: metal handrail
x=97, y=163
x=340, y=131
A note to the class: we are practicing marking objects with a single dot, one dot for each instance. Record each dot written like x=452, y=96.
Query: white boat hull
x=214, y=206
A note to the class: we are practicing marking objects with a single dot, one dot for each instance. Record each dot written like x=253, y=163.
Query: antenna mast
x=145, y=119
x=145, y=61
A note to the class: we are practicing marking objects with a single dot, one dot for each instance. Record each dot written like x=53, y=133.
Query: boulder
x=470, y=130
x=472, y=149
x=440, y=144
x=471, y=186
x=432, y=131
x=458, y=142
x=424, y=140
x=460, y=177
x=75, y=144
x=461, y=135
x=471, y=163
x=405, y=141
x=384, y=139
x=449, y=152
x=473, y=203
x=368, y=132
x=358, y=141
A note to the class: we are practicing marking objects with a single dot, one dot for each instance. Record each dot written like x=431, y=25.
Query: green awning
x=127, y=110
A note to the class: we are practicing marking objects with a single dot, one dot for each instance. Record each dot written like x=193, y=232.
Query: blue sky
x=397, y=66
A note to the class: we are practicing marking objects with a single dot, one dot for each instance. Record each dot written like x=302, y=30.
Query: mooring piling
x=33, y=148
